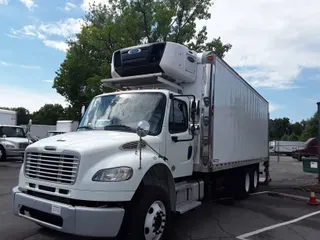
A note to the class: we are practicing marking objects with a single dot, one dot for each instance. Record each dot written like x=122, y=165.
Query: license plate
x=56, y=209
x=314, y=165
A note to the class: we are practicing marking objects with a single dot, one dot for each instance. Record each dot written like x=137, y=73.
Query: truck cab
x=13, y=141
x=310, y=149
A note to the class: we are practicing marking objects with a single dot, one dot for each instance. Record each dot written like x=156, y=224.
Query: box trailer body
x=285, y=147
x=39, y=130
x=66, y=126
x=179, y=124
x=13, y=140
x=8, y=117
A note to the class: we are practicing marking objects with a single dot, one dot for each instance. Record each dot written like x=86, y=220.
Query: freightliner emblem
x=134, y=51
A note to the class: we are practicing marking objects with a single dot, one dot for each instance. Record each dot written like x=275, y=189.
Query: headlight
x=10, y=146
x=118, y=174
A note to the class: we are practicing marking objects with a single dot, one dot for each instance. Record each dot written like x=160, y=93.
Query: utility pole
x=318, y=138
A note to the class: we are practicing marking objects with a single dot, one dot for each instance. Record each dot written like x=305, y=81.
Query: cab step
x=189, y=195
x=187, y=206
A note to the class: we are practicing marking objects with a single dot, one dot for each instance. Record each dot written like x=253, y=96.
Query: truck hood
x=85, y=141
x=16, y=140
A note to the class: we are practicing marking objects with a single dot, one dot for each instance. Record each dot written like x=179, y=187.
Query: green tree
x=293, y=137
x=279, y=127
x=297, y=128
x=48, y=114
x=126, y=23
x=311, y=127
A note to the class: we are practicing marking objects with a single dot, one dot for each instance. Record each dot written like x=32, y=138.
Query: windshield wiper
x=85, y=127
x=119, y=127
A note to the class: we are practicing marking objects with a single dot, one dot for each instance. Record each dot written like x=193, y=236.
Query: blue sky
x=276, y=51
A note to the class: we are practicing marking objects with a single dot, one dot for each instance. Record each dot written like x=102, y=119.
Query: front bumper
x=77, y=220
x=15, y=152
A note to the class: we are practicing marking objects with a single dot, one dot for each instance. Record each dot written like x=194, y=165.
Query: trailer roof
x=7, y=111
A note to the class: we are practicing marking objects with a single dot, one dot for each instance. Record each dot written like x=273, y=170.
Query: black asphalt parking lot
x=260, y=217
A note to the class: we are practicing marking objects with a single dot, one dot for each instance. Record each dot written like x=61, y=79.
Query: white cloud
x=5, y=2
x=274, y=38
x=30, y=66
x=274, y=107
x=5, y=63
x=29, y=4
x=314, y=100
x=69, y=6
x=60, y=45
x=62, y=28
x=86, y=3
x=31, y=100
x=47, y=81
x=65, y=29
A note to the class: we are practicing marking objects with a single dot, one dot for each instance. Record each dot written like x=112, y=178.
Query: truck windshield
x=12, y=132
x=123, y=112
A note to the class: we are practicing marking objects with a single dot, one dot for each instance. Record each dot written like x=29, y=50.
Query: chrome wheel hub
x=155, y=221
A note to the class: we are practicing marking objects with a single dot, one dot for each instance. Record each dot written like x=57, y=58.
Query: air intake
x=132, y=145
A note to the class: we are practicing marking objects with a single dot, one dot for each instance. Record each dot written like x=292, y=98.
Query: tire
x=3, y=155
x=254, y=181
x=299, y=158
x=242, y=184
x=149, y=216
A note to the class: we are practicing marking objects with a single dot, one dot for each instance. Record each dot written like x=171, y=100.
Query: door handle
x=175, y=139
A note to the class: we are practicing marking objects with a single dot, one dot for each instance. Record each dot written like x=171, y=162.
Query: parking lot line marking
x=251, y=194
x=246, y=235
x=258, y=193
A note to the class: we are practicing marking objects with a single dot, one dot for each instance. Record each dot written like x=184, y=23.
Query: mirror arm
x=159, y=155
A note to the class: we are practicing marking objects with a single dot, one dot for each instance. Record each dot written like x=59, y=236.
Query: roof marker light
x=210, y=58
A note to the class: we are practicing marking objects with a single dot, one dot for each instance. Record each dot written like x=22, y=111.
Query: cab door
x=179, y=145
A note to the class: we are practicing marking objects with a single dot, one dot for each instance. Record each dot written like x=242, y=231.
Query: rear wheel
x=254, y=178
x=242, y=184
x=3, y=155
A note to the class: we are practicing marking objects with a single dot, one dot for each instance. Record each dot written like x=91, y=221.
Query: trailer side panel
x=240, y=120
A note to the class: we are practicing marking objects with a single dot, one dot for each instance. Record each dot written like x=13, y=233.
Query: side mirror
x=83, y=110
x=29, y=126
x=143, y=128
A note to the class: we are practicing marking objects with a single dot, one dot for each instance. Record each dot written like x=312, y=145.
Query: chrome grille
x=23, y=145
x=58, y=168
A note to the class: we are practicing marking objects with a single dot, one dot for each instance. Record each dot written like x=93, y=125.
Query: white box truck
x=285, y=147
x=13, y=139
x=180, y=124
x=64, y=126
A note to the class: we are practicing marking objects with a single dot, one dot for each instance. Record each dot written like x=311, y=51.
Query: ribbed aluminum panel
x=52, y=167
x=240, y=119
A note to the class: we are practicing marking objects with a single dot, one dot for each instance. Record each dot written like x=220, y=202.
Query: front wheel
x=3, y=155
x=150, y=215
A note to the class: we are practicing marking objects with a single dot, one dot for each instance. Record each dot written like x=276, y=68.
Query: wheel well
x=160, y=175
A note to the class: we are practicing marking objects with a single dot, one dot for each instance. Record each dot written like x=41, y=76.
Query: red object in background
x=311, y=149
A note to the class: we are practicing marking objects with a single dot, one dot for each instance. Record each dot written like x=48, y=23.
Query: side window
x=178, y=119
